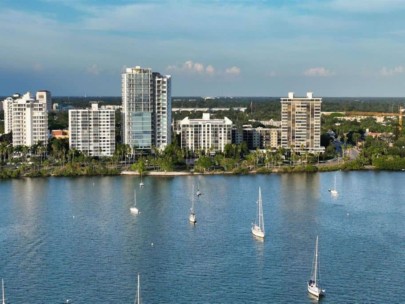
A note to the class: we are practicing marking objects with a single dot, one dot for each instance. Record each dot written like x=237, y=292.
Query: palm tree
x=3, y=152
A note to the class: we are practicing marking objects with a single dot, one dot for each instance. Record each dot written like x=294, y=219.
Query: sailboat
x=258, y=226
x=138, y=292
x=2, y=291
x=313, y=284
x=192, y=217
x=134, y=209
x=141, y=184
x=333, y=191
x=198, y=193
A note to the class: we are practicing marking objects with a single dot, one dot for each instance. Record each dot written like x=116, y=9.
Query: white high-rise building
x=27, y=119
x=92, y=131
x=8, y=114
x=146, y=109
x=301, y=123
x=205, y=134
x=45, y=97
x=162, y=110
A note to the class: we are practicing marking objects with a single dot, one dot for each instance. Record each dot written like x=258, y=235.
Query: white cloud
x=318, y=72
x=37, y=67
x=271, y=74
x=235, y=71
x=188, y=66
x=210, y=70
x=192, y=67
x=392, y=72
x=93, y=70
x=198, y=68
x=365, y=6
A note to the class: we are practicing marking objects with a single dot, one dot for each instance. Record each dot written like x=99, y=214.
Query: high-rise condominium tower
x=27, y=118
x=92, y=131
x=301, y=123
x=146, y=109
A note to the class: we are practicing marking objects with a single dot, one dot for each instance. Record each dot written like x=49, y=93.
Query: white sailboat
x=2, y=291
x=134, y=209
x=198, y=193
x=333, y=191
x=313, y=284
x=258, y=226
x=141, y=184
x=138, y=291
x=192, y=217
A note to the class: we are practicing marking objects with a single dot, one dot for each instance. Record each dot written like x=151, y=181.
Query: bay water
x=75, y=238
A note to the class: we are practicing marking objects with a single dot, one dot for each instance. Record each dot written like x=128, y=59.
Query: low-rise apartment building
x=205, y=134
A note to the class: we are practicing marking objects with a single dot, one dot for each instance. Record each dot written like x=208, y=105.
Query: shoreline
x=175, y=173
x=185, y=173
x=281, y=170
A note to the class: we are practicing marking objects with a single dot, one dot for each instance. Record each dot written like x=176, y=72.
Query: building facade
x=206, y=134
x=27, y=119
x=92, y=131
x=257, y=138
x=45, y=97
x=146, y=109
x=301, y=123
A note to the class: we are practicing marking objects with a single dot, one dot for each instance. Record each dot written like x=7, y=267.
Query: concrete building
x=205, y=134
x=146, y=109
x=8, y=114
x=163, y=111
x=257, y=138
x=45, y=97
x=301, y=123
x=60, y=134
x=27, y=119
x=92, y=131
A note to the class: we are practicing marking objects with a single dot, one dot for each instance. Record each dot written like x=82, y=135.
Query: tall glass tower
x=146, y=109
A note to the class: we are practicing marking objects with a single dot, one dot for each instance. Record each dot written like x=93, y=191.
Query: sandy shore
x=159, y=173
x=175, y=173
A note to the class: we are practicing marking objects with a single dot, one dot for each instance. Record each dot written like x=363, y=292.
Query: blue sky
x=211, y=47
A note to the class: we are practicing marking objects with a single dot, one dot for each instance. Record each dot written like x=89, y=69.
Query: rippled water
x=74, y=238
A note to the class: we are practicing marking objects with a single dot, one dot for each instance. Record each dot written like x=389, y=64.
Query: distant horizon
x=213, y=97
x=218, y=97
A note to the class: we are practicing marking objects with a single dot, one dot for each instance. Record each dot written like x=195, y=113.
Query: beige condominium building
x=205, y=134
x=92, y=131
x=301, y=123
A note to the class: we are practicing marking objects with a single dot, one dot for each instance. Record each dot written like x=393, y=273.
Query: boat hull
x=192, y=218
x=256, y=231
x=134, y=210
x=315, y=291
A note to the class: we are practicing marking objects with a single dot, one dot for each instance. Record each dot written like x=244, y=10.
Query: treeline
x=258, y=108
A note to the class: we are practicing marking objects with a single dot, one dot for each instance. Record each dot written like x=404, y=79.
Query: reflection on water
x=74, y=238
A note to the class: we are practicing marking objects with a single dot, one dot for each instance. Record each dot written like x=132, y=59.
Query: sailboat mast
x=261, y=221
x=316, y=260
x=135, y=197
x=192, y=199
x=138, y=292
x=2, y=290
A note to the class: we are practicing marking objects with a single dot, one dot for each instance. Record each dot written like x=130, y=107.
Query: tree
x=203, y=163
x=355, y=137
x=139, y=166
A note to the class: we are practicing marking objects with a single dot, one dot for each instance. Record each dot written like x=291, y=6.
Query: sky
x=333, y=48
